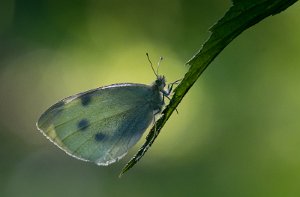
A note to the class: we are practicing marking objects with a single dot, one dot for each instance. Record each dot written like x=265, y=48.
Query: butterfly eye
x=158, y=82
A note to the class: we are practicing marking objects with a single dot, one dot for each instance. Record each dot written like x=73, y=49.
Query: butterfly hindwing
x=99, y=125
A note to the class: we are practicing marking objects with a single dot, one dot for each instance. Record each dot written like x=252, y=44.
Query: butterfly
x=102, y=124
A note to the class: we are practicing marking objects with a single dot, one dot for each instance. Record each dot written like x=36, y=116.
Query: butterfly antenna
x=151, y=64
x=158, y=64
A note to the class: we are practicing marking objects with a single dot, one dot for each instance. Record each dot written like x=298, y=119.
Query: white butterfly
x=100, y=125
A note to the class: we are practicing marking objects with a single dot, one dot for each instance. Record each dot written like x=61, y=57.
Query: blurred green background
x=237, y=131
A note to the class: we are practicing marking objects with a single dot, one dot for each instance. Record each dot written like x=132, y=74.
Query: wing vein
x=90, y=137
x=127, y=128
x=106, y=118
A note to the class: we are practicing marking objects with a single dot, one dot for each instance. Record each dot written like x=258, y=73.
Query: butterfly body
x=100, y=125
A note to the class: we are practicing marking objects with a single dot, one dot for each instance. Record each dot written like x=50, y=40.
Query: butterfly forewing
x=100, y=125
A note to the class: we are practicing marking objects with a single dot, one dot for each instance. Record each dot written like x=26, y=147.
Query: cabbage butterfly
x=100, y=125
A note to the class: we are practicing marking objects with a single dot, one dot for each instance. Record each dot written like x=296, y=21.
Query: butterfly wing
x=99, y=125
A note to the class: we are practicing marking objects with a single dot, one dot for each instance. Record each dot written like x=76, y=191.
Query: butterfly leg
x=170, y=87
x=169, y=90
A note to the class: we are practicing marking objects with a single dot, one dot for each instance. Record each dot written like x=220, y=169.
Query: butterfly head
x=160, y=82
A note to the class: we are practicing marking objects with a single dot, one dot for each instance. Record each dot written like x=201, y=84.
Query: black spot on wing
x=99, y=137
x=86, y=99
x=83, y=124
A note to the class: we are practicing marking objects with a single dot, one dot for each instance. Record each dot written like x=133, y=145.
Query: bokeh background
x=238, y=129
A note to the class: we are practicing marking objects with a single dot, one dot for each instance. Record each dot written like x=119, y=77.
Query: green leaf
x=241, y=15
